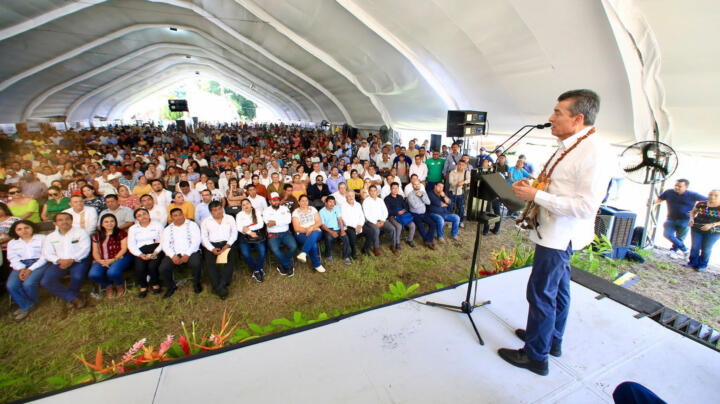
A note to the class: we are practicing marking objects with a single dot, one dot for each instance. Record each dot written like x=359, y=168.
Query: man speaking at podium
x=561, y=207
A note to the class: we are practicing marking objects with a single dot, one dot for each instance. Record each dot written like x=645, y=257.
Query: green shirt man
x=435, y=167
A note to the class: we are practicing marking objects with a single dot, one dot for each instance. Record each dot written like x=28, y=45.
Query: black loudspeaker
x=435, y=142
x=465, y=123
x=180, y=125
x=353, y=133
x=177, y=105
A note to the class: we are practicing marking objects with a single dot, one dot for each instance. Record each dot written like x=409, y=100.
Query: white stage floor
x=410, y=353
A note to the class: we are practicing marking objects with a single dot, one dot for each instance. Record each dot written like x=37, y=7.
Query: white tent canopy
x=369, y=63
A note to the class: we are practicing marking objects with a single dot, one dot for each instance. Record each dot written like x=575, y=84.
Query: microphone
x=538, y=126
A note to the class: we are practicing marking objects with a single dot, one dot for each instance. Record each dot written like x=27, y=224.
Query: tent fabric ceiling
x=368, y=63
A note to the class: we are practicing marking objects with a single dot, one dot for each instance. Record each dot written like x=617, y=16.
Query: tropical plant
x=502, y=260
x=524, y=256
x=398, y=291
x=298, y=320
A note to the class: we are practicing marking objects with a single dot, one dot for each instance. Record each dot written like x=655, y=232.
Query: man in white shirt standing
x=218, y=234
x=157, y=213
x=83, y=217
x=160, y=195
x=67, y=249
x=376, y=215
x=567, y=200
x=419, y=168
x=181, y=245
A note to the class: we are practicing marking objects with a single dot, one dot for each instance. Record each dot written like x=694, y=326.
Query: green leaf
x=387, y=296
x=297, y=317
x=282, y=322
x=401, y=286
x=267, y=329
x=82, y=379
x=256, y=329
x=58, y=382
x=439, y=285
x=393, y=289
x=239, y=335
x=412, y=288
x=10, y=382
x=175, y=351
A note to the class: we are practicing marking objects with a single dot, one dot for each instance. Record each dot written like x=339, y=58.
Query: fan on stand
x=648, y=162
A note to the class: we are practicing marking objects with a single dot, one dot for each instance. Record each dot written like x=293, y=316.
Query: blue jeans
x=702, y=244
x=106, y=276
x=329, y=242
x=675, y=231
x=25, y=293
x=458, y=202
x=420, y=221
x=440, y=222
x=276, y=241
x=246, y=248
x=310, y=246
x=631, y=392
x=53, y=274
x=548, y=293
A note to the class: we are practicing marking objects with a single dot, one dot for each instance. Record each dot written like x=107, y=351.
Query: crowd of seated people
x=149, y=201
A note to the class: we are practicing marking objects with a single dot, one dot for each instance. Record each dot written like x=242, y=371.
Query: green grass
x=44, y=345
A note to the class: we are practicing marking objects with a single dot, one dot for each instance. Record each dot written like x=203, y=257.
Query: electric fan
x=648, y=162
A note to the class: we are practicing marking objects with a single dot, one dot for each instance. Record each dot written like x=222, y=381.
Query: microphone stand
x=509, y=138
x=519, y=139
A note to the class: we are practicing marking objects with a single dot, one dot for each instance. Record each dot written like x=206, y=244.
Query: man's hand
x=342, y=232
x=216, y=251
x=271, y=223
x=24, y=273
x=65, y=263
x=401, y=212
x=333, y=233
x=524, y=190
x=707, y=227
x=184, y=259
x=308, y=232
x=380, y=223
x=176, y=260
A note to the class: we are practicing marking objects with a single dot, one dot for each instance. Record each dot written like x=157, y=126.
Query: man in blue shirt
x=333, y=229
x=680, y=201
x=484, y=156
x=440, y=210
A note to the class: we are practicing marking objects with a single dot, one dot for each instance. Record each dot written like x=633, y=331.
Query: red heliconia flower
x=183, y=342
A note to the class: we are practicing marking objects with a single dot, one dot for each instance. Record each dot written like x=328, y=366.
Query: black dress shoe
x=520, y=359
x=156, y=291
x=197, y=288
x=142, y=294
x=169, y=292
x=223, y=293
x=555, y=349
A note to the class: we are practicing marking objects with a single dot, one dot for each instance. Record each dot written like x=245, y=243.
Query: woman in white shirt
x=144, y=244
x=306, y=222
x=24, y=253
x=250, y=224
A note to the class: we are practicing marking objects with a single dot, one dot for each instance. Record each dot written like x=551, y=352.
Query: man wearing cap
x=277, y=218
x=110, y=185
x=483, y=156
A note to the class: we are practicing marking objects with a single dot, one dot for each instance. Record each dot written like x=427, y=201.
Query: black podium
x=484, y=187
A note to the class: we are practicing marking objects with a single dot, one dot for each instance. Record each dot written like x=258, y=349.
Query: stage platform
x=411, y=353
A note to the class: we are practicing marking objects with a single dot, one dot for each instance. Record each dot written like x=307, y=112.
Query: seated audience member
x=315, y=172
x=278, y=218
x=705, y=228
x=440, y=210
x=501, y=165
x=275, y=184
x=288, y=199
x=186, y=207
x=161, y=196
x=306, y=223
x=372, y=177
x=259, y=187
x=189, y=194
x=91, y=199
x=318, y=192
x=202, y=210
x=24, y=253
x=67, y=249
x=398, y=217
x=181, y=244
x=234, y=196
x=143, y=242
x=6, y=222
x=123, y=214
x=142, y=188
x=110, y=252
x=376, y=215
x=21, y=206
x=83, y=216
x=458, y=182
x=333, y=229
x=251, y=226
x=219, y=233
x=517, y=172
x=340, y=195
x=355, y=183
x=31, y=187
x=298, y=186
x=126, y=199
x=334, y=180
x=353, y=219
x=258, y=201
x=419, y=169
x=418, y=201
x=216, y=194
x=55, y=204
x=158, y=214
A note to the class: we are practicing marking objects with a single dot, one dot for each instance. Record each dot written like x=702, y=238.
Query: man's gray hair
x=585, y=102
